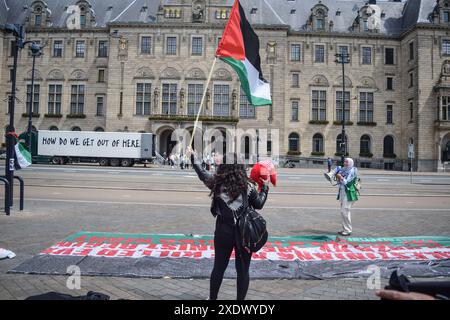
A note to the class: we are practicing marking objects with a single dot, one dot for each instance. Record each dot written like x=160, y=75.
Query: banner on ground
x=191, y=256
x=301, y=248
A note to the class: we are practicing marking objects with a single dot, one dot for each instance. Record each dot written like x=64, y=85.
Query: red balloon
x=263, y=170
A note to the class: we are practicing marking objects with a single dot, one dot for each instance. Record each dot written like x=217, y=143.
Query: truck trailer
x=105, y=148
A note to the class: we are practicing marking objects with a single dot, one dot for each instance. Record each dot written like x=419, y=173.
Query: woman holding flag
x=239, y=47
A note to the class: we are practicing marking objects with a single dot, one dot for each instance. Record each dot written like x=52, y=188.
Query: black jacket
x=219, y=206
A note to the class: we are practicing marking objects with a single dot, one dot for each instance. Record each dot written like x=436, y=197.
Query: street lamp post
x=343, y=58
x=35, y=52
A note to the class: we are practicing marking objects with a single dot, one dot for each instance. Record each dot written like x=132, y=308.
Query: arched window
x=317, y=146
x=294, y=142
x=53, y=128
x=365, y=146
x=338, y=144
x=99, y=129
x=388, y=147
x=76, y=128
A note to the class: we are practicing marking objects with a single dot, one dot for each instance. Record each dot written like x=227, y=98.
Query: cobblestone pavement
x=54, y=210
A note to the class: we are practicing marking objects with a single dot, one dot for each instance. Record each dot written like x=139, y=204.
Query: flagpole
x=202, y=101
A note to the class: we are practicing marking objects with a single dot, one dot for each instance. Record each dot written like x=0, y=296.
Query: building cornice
x=220, y=26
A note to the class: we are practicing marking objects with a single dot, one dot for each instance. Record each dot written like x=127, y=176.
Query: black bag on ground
x=91, y=295
x=252, y=227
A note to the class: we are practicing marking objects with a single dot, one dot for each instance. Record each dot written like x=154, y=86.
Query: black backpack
x=252, y=227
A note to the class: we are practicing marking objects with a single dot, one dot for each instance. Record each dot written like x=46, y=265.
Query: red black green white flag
x=239, y=47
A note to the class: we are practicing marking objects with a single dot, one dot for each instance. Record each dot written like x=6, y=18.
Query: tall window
x=411, y=111
x=446, y=47
x=295, y=52
x=339, y=105
x=83, y=21
x=77, y=99
x=389, y=83
x=294, y=110
x=221, y=100
x=445, y=108
x=197, y=46
x=319, y=54
x=100, y=106
x=411, y=50
x=317, y=146
x=294, y=142
x=339, y=143
x=54, y=98
x=36, y=95
x=102, y=48
x=171, y=46
x=143, y=96
x=389, y=55
x=80, y=48
x=411, y=79
x=146, y=45
x=295, y=80
x=366, y=106
x=446, y=16
x=101, y=75
x=319, y=105
x=57, y=48
x=389, y=114
x=169, y=99
x=365, y=145
x=388, y=146
x=365, y=25
x=37, y=20
x=246, y=109
x=320, y=24
x=195, y=91
x=366, y=55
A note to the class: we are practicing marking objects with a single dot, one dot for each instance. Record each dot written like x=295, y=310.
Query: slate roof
x=399, y=16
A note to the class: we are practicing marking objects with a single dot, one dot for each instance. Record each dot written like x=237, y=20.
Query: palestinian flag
x=22, y=156
x=239, y=47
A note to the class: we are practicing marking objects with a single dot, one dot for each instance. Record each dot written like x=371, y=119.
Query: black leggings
x=224, y=242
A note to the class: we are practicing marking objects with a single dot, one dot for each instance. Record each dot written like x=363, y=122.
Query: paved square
x=62, y=200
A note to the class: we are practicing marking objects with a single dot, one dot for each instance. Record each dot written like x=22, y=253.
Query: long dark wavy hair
x=230, y=178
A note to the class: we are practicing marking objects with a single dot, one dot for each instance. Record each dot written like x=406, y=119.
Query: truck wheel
x=103, y=162
x=125, y=163
x=56, y=160
x=114, y=162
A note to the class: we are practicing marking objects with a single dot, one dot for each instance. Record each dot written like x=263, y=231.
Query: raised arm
x=258, y=199
x=206, y=177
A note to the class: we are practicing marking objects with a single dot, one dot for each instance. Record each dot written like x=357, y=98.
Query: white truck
x=105, y=148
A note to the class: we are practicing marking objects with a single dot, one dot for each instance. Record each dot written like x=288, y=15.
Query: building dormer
x=40, y=14
x=441, y=12
x=368, y=18
x=318, y=19
x=87, y=16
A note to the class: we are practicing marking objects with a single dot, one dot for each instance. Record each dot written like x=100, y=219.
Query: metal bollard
x=7, y=206
x=22, y=190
